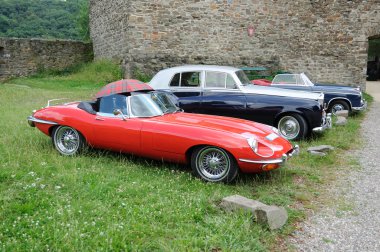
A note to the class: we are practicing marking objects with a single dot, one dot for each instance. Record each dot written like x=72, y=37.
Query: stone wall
x=22, y=57
x=326, y=38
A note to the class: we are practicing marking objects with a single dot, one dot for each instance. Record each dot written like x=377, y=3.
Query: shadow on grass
x=146, y=163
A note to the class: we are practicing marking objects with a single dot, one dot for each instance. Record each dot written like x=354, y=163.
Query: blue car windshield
x=243, y=77
x=152, y=104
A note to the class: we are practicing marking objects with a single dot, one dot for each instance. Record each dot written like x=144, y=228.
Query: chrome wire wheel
x=213, y=163
x=67, y=140
x=289, y=127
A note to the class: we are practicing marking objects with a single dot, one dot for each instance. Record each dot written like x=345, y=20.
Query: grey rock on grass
x=318, y=153
x=235, y=202
x=341, y=121
x=321, y=148
x=272, y=217
x=342, y=113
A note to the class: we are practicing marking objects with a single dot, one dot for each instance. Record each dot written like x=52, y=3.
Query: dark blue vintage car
x=227, y=91
x=337, y=97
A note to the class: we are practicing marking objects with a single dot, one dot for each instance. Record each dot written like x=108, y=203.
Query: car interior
x=105, y=105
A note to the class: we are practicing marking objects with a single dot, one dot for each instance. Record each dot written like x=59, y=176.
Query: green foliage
x=44, y=19
x=83, y=21
x=141, y=76
x=80, y=77
x=368, y=98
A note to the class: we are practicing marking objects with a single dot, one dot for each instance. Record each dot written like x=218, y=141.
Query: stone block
x=341, y=121
x=321, y=148
x=235, y=202
x=318, y=153
x=342, y=113
x=271, y=216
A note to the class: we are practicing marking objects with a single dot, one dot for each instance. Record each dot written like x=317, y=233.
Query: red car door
x=110, y=132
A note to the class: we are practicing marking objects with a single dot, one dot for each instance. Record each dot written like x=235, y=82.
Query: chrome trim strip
x=222, y=90
x=271, y=161
x=295, y=151
x=340, y=98
x=33, y=119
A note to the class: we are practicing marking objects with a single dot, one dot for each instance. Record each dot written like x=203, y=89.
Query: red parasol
x=123, y=86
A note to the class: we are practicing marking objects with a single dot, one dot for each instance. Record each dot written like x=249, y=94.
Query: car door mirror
x=117, y=112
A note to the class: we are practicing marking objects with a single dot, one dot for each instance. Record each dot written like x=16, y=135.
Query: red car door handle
x=99, y=118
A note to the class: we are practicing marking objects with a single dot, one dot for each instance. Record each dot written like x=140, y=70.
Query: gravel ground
x=354, y=226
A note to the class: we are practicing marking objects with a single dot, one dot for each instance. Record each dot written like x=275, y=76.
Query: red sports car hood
x=227, y=124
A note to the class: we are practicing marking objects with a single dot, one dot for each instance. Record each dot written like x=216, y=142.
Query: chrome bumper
x=295, y=151
x=363, y=107
x=326, y=124
x=32, y=120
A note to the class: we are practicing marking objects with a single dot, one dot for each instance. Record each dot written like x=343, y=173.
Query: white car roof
x=202, y=68
x=162, y=78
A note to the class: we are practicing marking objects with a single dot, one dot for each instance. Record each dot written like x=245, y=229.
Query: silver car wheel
x=67, y=140
x=289, y=127
x=337, y=107
x=213, y=163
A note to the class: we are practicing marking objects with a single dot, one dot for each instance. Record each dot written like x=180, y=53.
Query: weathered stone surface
x=341, y=121
x=327, y=39
x=22, y=57
x=318, y=153
x=235, y=202
x=342, y=113
x=321, y=148
x=272, y=216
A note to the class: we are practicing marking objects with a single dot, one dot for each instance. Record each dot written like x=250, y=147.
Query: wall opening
x=373, y=65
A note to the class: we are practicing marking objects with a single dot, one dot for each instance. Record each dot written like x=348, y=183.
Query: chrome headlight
x=252, y=142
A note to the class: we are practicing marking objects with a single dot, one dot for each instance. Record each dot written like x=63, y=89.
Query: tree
x=44, y=19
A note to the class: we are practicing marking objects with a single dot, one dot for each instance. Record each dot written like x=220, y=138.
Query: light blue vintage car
x=337, y=97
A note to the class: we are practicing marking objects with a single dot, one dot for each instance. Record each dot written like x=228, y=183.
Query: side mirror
x=117, y=112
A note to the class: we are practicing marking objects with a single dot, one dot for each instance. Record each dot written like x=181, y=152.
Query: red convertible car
x=133, y=118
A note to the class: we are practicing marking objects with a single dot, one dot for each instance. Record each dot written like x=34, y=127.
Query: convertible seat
x=88, y=107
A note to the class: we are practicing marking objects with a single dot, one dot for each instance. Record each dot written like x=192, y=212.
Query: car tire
x=214, y=164
x=338, y=105
x=67, y=140
x=292, y=127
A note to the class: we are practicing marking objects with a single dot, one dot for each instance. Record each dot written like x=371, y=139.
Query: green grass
x=109, y=201
x=81, y=77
